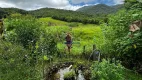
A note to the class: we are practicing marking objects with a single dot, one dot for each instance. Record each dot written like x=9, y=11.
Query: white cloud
x=5, y=4
x=35, y=4
x=70, y=7
x=118, y=1
x=60, y=4
x=79, y=1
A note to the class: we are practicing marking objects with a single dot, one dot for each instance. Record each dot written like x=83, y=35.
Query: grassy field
x=82, y=34
x=52, y=22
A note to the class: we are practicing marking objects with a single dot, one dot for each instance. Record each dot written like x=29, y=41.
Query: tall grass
x=82, y=35
x=52, y=22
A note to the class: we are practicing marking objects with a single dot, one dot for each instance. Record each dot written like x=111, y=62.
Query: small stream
x=61, y=72
x=80, y=76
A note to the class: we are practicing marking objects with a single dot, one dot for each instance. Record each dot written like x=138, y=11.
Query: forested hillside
x=89, y=14
x=64, y=15
x=83, y=15
x=8, y=11
x=100, y=9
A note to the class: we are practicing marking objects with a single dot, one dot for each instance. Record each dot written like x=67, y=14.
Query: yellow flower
x=135, y=46
x=45, y=58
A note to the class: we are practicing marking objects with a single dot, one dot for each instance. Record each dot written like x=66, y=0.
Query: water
x=65, y=70
x=80, y=76
x=62, y=72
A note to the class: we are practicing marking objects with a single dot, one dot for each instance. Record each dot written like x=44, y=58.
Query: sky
x=59, y=4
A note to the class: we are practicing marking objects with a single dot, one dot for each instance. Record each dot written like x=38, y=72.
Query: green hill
x=59, y=14
x=100, y=9
x=8, y=11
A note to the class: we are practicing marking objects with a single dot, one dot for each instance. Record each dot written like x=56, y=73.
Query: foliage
x=25, y=61
x=117, y=42
x=112, y=70
x=100, y=10
x=28, y=31
x=4, y=12
x=69, y=75
x=118, y=26
x=106, y=70
x=65, y=15
x=45, y=58
x=16, y=64
x=133, y=4
x=46, y=44
x=130, y=51
x=22, y=29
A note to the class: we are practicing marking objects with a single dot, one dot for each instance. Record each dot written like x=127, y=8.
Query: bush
x=117, y=42
x=69, y=75
x=27, y=31
x=47, y=44
x=107, y=71
x=22, y=29
x=16, y=64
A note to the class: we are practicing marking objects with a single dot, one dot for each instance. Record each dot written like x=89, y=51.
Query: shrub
x=47, y=44
x=16, y=64
x=118, y=44
x=69, y=75
x=107, y=71
x=22, y=29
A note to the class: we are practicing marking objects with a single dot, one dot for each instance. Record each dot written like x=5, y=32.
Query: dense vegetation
x=112, y=70
x=24, y=48
x=32, y=44
x=17, y=63
x=64, y=15
x=4, y=12
x=118, y=42
x=100, y=9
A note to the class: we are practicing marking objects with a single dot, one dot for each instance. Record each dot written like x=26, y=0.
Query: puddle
x=61, y=72
x=80, y=76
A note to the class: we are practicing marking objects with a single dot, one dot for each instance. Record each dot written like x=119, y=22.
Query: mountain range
x=100, y=9
x=88, y=14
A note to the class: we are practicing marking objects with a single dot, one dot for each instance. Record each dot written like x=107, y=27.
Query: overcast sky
x=59, y=4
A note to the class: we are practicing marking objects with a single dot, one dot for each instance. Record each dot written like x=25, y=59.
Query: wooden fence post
x=99, y=56
x=94, y=47
x=84, y=50
x=93, y=52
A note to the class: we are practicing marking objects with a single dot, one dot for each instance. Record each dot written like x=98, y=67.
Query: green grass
x=54, y=22
x=82, y=35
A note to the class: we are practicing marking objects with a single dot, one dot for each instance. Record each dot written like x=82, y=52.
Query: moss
x=57, y=76
x=69, y=75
